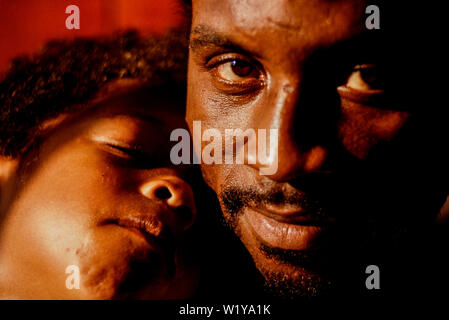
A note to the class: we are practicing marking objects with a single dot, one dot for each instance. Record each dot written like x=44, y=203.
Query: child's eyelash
x=133, y=156
x=132, y=151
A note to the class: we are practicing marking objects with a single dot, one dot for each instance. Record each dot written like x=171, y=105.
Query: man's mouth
x=288, y=229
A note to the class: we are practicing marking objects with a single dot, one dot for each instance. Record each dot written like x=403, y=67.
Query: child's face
x=102, y=195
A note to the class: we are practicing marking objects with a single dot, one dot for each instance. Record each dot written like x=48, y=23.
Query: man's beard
x=375, y=221
x=314, y=273
x=310, y=277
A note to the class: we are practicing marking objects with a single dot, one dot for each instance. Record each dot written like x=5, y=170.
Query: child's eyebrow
x=149, y=118
x=141, y=116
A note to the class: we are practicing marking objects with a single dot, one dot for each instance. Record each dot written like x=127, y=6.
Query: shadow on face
x=349, y=129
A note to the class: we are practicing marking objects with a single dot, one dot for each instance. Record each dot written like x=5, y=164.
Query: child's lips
x=152, y=230
x=149, y=227
x=146, y=223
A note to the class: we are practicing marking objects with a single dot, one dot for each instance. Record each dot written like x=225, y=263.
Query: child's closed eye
x=132, y=155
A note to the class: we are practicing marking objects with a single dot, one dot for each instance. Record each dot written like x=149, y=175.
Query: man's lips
x=293, y=215
x=286, y=229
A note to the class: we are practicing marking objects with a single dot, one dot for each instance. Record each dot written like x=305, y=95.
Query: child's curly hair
x=67, y=74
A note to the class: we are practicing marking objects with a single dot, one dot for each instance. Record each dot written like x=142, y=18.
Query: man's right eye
x=236, y=73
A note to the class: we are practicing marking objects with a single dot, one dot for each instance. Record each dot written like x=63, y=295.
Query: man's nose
x=301, y=143
x=176, y=194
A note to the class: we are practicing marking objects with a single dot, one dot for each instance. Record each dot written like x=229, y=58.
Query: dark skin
x=311, y=70
x=99, y=192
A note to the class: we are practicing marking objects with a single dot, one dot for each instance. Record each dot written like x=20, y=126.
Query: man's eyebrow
x=204, y=36
x=365, y=45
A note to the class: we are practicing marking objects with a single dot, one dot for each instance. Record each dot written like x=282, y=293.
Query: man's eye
x=235, y=74
x=365, y=78
x=236, y=70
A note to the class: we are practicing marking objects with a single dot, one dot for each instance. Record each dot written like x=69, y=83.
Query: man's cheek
x=361, y=127
x=218, y=175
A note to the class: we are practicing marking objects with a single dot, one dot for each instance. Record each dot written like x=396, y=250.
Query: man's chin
x=290, y=274
x=297, y=254
x=291, y=282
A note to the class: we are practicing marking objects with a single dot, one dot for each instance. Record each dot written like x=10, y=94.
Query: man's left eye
x=365, y=77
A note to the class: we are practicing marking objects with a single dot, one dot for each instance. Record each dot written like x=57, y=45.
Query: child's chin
x=150, y=285
x=131, y=276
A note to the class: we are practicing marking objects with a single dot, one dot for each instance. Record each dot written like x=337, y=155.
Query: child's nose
x=176, y=193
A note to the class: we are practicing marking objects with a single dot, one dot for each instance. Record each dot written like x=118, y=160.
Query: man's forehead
x=321, y=22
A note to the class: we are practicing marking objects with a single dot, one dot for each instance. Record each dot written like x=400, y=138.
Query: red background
x=25, y=25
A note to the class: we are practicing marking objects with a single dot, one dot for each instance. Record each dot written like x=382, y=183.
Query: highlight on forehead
x=285, y=14
x=258, y=27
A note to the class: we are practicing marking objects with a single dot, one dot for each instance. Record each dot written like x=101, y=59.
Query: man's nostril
x=184, y=213
x=162, y=193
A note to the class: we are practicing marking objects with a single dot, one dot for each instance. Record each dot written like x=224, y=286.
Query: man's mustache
x=234, y=199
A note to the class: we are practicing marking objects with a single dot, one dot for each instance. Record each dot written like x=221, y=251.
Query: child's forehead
x=137, y=98
x=126, y=103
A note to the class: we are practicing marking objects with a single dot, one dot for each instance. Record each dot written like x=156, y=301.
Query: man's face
x=313, y=71
x=101, y=194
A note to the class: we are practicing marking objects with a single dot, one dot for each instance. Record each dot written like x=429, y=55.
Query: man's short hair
x=68, y=74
